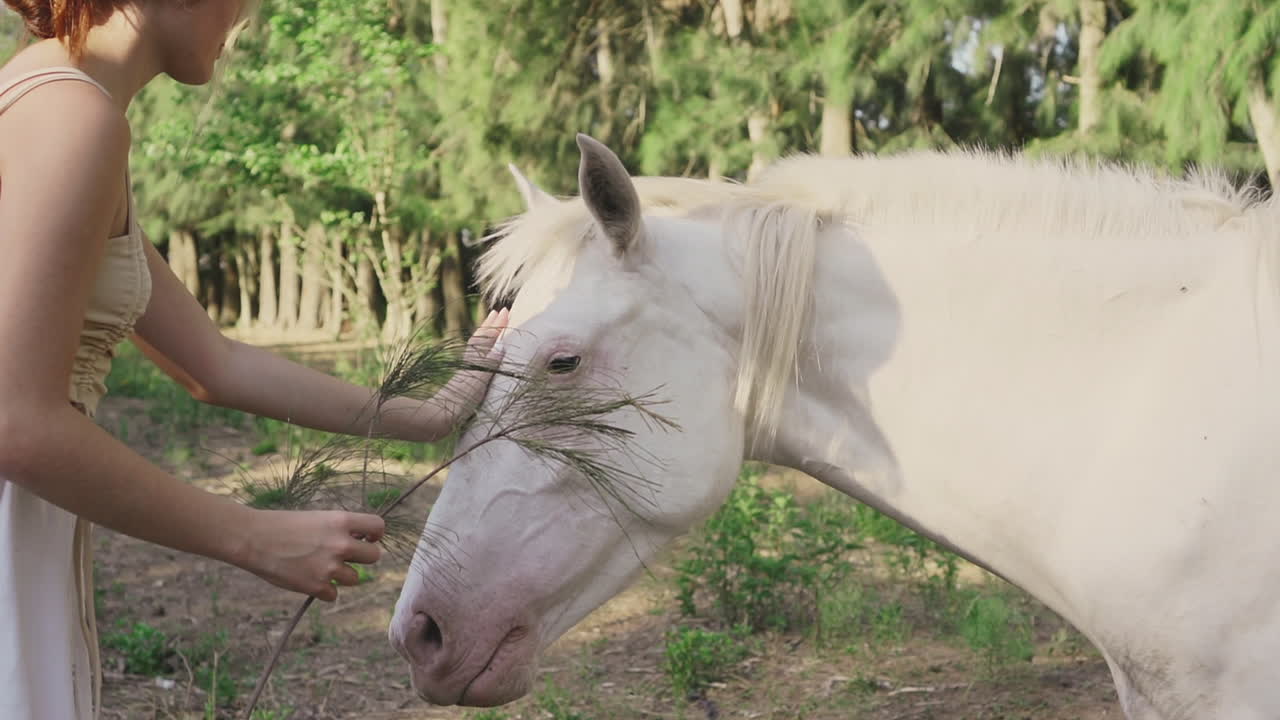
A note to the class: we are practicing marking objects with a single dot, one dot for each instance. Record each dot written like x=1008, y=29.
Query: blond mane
x=780, y=214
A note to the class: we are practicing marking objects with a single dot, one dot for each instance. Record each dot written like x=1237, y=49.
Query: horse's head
x=520, y=547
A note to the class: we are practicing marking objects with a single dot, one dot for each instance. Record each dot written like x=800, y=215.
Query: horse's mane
x=780, y=215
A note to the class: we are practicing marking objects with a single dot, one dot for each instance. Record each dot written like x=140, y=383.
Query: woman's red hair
x=67, y=20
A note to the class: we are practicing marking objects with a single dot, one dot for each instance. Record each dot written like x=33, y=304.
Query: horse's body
x=1068, y=376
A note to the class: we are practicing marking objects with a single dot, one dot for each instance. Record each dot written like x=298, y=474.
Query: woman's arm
x=63, y=151
x=179, y=336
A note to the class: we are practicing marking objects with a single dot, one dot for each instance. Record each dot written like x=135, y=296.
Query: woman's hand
x=460, y=397
x=307, y=551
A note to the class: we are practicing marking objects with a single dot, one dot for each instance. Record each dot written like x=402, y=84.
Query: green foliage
x=557, y=704
x=381, y=497
x=211, y=672
x=695, y=657
x=364, y=573
x=390, y=133
x=146, y=650
x=851, y=611
x=997, y=630
x=761, y=557
x=149, y=651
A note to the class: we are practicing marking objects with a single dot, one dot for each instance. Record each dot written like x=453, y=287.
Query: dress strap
x=13, y=91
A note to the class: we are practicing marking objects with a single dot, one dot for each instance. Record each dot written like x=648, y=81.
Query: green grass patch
x=761, y=558
x=146, y=650
x=695, y=657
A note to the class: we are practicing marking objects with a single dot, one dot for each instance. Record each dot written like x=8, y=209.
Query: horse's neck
x=961, y=387
x=850, y=393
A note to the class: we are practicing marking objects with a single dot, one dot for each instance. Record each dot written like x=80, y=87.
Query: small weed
x=889, y=625
x=762, y=556
x=321, y=634
x=264, y=447
x=997, y=630
x=489, y=714
x=380, y=498
x=843, y=612
x=696, y=657
x=146, y=650
x=852, y=611
x=407, y=452
x=1066, y=641
x=364, y=573
x=178, y=455
x=555, y=702
x=266, y=497
x=864, y=685
x=208, y=661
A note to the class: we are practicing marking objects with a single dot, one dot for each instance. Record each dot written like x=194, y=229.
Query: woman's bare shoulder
x=62, y=122
x=67, y=112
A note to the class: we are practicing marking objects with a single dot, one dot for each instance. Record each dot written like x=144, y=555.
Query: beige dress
x=49, y=667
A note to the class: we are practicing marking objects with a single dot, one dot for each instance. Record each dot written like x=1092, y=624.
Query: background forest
x=337, y=176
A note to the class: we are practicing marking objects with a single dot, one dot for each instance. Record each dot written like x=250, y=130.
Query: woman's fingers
x=366, y=526
x=488, y=333
x=328, y=594
x=346, y=575
x=365, y=553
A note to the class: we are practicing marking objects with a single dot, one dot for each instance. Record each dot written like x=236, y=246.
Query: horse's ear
x=607, y=190
x=532, y=194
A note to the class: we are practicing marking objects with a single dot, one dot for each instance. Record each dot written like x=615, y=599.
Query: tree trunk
x=1266, y=126
x=226, y=287
x=454, y=289
x=715, y=168
x=399, y=319
x=184, y=261
x=211, y=287
x=244, y=271
x=733, y=17
x=337, y=289
x=607, y=71
x=363, y=314
x=837, y=120
x=604, y=54
x=439, y=32
x=287, y=312
x=758, y=132
x=1093, y=28
x=266, y=279
x=770, y=14
x=313, y=250
x=653, y=41
x=424, y=278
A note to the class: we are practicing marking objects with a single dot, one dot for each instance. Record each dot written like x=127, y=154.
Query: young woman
x=77, y=277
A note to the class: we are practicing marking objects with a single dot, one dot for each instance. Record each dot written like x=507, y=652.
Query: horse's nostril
x=431, y=635
x=421, y=641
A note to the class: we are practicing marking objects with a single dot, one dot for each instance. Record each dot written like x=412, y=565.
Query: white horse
x=1069, y=375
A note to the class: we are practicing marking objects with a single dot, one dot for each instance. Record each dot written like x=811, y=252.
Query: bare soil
x=339, y=664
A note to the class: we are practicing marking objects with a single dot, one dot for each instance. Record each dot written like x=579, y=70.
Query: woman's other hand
x=308, y=551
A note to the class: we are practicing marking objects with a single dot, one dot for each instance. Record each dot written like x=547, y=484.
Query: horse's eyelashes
x=564, y=364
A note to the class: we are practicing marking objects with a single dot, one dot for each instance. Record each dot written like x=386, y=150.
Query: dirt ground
x=339, y=664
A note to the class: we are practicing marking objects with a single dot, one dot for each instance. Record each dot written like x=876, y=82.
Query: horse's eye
x=564, y=364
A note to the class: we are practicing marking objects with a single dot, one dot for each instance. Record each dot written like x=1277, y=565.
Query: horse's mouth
x=508, y=674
